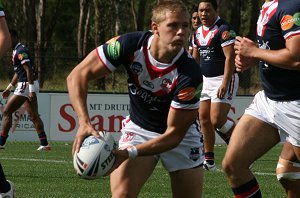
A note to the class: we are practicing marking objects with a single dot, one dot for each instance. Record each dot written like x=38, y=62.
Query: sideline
x=254, y=172
x=34, y=160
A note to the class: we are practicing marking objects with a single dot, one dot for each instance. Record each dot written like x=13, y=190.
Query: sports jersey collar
x=157, y=63
x=208, y=28
x=17, y=45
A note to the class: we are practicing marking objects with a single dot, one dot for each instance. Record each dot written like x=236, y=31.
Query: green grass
x=51, y=174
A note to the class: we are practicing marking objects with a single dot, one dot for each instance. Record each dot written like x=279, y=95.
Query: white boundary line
x=33, y=160
x=254, y=172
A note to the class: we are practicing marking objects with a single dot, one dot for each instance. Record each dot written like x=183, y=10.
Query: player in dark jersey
x=195, y=22
x=7, y=188
x=163, y=80
x=275, y=111
x=25, y=93
x=213, y=48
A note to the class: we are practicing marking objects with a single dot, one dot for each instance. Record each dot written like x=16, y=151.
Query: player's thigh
x=251, y=138
x=218, y=113
x=32, y=107
x=187, y=183
x=130, y=176
x=204, y=110
x=14, y=103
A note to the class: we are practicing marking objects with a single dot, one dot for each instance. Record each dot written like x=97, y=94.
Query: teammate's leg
x=187, y=183
x=208, y=132
x=288, y=169
x=7, y=188
x=128, y=179
x=250, y=134
x=220, y=122
x=32, y=109
x=13, y=104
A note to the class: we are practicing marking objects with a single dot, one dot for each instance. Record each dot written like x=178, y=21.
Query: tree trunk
x=84, y=7
x=141, y=15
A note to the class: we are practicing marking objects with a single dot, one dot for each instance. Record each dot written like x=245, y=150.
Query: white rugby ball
x=95, y=157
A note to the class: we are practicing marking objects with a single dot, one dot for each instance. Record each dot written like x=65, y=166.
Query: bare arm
x=179, y=122
x=77, y=81
x=229, y=68
x=196, y=55
x=286, y=58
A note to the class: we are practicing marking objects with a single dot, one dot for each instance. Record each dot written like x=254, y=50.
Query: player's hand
x=32, y=96
x=222, y=91
x=121, y=156
x=5, y=94
x=83, y=131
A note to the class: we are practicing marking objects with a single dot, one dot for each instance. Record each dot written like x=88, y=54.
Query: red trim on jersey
x=268, y=17
x=102, y=60
x=290, y=36
x=155, y=72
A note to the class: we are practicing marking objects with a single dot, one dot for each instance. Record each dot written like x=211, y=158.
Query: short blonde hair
x=159, y=11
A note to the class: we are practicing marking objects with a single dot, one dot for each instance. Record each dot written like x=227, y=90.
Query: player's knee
x=226, y=127
x=287, y=170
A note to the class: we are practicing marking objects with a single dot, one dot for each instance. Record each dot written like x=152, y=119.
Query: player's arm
x=89, y=69
x=196, y=55
x=286, y=58
x=178, y=122
x=229, y=68
x=5, y=40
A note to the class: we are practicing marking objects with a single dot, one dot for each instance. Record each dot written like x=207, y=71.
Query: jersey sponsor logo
x=113, y=48
x=187, y=94
x=296, y=17
x=22, y=56
x=225, y=35
x=287, y=22
x=148, y=84
x=137, y=67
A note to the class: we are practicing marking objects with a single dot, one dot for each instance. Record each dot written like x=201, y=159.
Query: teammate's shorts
x=188, y=154
x=23, y=88
x=212, y=84
x=285, y=116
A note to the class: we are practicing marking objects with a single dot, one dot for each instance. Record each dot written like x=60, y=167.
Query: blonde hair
x=159, y=11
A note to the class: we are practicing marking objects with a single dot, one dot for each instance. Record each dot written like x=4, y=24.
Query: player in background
x=275, y=111
x=25, y=93
x=7, y=188
x=213, y=49
x=195, y=22
x=163, y=80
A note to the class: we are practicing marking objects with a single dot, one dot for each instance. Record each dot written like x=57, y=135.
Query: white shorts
x=188, y=154
x=23, y=88
x=211, y=86
x=285, y=116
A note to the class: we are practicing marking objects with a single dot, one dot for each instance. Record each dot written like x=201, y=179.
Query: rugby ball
x=95, y=157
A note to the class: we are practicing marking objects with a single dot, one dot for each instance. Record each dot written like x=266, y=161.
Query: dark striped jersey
x=209, y=43
x=20, y=56
x=279, y=20
x=153, y=87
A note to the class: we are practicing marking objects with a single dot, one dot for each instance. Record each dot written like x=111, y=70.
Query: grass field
x=51, y=174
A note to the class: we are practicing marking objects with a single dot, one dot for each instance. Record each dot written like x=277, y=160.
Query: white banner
x=106, y=113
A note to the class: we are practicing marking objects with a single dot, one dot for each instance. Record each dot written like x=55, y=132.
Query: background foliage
x=60, y=33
